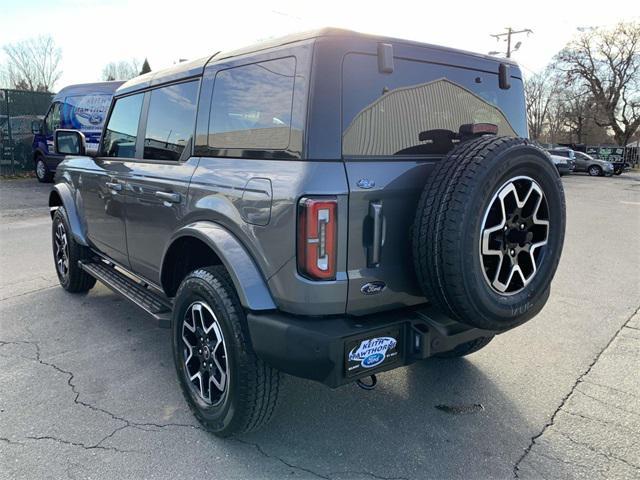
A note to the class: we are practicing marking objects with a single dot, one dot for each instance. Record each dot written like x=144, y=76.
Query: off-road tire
x=447, y=230
x=43, y=174
x=76, y=280
x=253, y=386
x=466, y=348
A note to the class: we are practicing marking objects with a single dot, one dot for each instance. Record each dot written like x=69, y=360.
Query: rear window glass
x=85, y=112
x=122, y=130
x=251, y=106
x=171, y=121
x=419, y=108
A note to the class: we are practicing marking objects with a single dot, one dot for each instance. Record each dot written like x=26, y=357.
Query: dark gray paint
x=243, y=203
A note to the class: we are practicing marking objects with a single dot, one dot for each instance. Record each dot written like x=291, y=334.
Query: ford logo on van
x=372, y=288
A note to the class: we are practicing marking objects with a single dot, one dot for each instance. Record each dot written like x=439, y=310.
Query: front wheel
x=66, y=254
x=227, y=387
x=43, y=174
x=595, y=171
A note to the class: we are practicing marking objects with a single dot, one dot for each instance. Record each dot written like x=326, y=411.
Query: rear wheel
x=43, y=174
x=489, y=232
x=228, y=388
x=595, y=171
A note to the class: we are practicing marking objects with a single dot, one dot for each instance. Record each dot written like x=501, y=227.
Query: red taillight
x=317, y=237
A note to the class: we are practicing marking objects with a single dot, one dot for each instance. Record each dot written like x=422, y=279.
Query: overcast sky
x=92, y=33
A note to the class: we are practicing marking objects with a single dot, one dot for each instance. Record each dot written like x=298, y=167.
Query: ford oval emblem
x=366, y=183
x=372, y=288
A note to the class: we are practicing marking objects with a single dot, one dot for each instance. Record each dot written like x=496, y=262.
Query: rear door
x=396, y=126
x=157, y=184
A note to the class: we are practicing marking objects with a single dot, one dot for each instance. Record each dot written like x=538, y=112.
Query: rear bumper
x=332, y=350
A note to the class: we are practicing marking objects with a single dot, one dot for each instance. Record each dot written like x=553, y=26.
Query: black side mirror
x=69, y=142
x=36, y=127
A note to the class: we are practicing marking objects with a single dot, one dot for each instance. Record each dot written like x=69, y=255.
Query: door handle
x=375, y=251
x=169, y=196
x=116, y=186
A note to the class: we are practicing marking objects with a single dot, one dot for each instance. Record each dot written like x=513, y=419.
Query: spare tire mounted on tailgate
x=489, y=231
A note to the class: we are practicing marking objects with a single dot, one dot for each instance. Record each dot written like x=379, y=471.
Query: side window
x=171, y=121
x=122, y=130
x=52, y=121
x=251, y=106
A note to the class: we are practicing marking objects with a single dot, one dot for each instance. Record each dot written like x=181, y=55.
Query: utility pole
x=508, y=34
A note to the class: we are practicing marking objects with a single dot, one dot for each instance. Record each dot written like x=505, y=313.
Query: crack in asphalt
x=574, y=387
x=97, y=446
x=29, y=292
x=327, y=476
x=150, y=426
x=604, y=402
x=9, y=441
x=127, y=423
x=598, y=420
x=608, y=456
x=608, y=387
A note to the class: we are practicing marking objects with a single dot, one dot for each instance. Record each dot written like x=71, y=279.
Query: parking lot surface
x=88, y=390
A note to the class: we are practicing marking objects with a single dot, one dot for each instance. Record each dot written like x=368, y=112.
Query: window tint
x=251, y=106
x=122, y=130
x=171, y=121
x=420, y=107
x=53, y=118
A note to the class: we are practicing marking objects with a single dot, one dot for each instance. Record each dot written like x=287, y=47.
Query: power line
x=509, y=33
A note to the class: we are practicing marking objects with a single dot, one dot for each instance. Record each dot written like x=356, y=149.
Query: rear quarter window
x=251, y=107
x=387, y=114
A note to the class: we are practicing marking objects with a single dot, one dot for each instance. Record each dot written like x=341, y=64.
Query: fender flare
x=64, y=192
x=250, y=285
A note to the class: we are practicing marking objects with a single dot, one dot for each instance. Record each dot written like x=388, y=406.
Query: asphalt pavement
x=88, y=389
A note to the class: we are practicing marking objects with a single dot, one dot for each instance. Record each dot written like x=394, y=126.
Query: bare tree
x=540, y=90
x=122, y=70
x=33, y=64
x=606, y=63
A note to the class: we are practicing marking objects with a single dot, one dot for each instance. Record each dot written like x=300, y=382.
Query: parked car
x=593, y=166
x=614, y=155
x=329, y=205
x=16, y=138
x=562, y=164
x=566, y=153
x=81, y=107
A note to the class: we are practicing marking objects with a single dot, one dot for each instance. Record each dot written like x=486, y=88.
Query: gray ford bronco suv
x=329, y=205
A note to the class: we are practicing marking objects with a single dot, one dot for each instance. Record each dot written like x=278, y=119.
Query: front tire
x=227, y=387
x=66, y=254
x=595, y=171
x=43, y=174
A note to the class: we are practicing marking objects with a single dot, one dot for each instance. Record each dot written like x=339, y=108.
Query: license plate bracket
x=372, y=353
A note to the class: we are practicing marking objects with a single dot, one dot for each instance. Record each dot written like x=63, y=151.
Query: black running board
x=157, y=306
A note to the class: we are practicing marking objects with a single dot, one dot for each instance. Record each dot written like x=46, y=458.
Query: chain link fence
x=18, y=109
